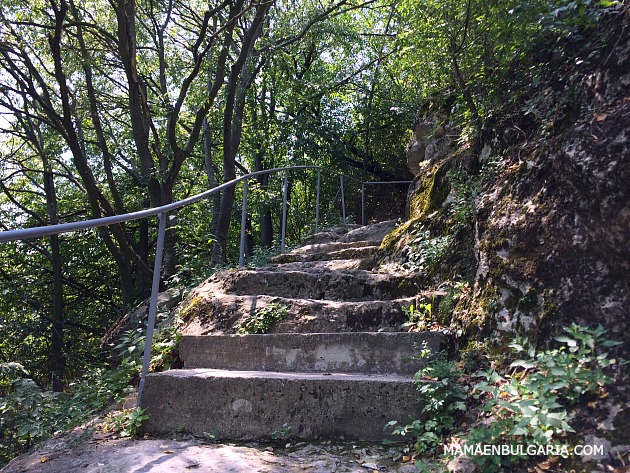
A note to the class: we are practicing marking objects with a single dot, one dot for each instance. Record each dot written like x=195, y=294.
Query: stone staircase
x=336, y=367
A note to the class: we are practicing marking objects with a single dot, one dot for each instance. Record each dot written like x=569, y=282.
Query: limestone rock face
x=432, y=137
x=415, y=155
x=553, y=233
x=551, y=225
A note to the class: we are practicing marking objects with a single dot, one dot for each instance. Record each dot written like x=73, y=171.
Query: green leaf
x=564, y=339
x=523, y=363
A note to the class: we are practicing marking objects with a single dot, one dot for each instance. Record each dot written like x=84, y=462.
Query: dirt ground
x=87, y=450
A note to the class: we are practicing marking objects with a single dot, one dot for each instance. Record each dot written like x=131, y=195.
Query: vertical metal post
x=155, y=288
x=285, y=196
x=363, y=203
x=241, y=255
x=319, y=180
x=343, y=200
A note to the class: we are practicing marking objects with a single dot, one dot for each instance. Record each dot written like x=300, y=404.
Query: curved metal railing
x=162, y=214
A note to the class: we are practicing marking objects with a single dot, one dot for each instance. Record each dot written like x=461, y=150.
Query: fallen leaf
x=43, y=460
x=168, y=451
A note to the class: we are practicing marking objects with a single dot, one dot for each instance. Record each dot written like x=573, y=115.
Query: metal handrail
x=162, y=213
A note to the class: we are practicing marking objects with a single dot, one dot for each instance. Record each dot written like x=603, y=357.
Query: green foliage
x=262, y=256
x=29, y=414
x=126, y=423
x=444, y=400
x=424, y=251
x=418, y=318
x=283, y=433
x=475, y=357
x=467, y=187
x=264, y=319
x=529, y=405
x=164, y=351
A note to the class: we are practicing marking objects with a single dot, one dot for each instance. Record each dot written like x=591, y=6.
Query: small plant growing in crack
x=283, y=433
x=126, y=423
x=264, y=319
x=418, y=317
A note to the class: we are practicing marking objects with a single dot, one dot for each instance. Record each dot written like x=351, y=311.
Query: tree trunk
x=211, y=174
x=57, y=357
x=239, y=81
x=266, y=221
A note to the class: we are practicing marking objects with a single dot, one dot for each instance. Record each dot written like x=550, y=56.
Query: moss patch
x=193, y=309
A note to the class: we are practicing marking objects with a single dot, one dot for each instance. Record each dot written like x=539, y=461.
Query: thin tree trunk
x=211, y=174
x=266, y=221
x=57, y=357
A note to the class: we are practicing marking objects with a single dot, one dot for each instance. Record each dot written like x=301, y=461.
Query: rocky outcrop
x=553, y=230
x=546, y=223
x=433, y=135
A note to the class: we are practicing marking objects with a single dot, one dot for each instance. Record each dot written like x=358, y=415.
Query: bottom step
x=261, y=405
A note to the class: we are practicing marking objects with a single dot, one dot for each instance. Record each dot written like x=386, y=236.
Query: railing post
x=155, y=288
x=319, y=180
x=285, y=196
x=343, y=200
x=241, y=255
x=362, y=203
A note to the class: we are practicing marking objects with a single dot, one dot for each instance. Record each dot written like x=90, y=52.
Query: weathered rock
x=549, y=228
x=338, y=250
x=349, y=285
x=221, y=313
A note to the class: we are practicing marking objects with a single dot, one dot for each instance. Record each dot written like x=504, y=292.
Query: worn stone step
x=328, y=251
x=349, y=285
x=217, y=312
x=373, y=233
x=325, y=265
x=351, y=352
x=263, y=405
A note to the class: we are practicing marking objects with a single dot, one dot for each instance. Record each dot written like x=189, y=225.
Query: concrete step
x=349, y=285
x=262, y=405
x=351, y=352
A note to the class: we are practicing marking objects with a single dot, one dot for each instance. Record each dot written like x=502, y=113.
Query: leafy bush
x=443, y=398
x=126, y=422
x=264, y=319
x=29, y=414
x=423, y=251
x=418, y=317
x=529, y=404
